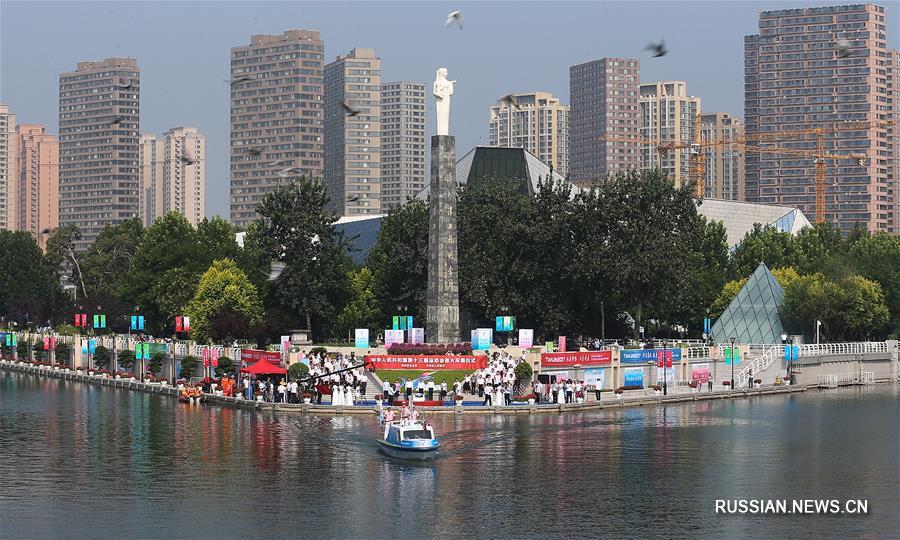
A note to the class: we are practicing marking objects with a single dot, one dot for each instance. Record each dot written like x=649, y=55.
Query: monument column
x=443, y=277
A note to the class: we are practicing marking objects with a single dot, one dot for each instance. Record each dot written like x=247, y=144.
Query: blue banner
x=634, y=377
x=791, y=352
x=642, y=356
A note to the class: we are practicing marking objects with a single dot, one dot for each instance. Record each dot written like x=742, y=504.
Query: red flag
x=77, y=320
x=660, y=358
x=53, y=343
x=205, y=356
x=215, y=358
x=84, y=320
x=186, y=323
x=668, y=359
x=46, y=344
x=178, y=324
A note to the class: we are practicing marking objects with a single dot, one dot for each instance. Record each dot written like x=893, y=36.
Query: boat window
x=417, y=434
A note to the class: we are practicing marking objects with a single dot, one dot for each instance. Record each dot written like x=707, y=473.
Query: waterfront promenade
x=632, y=398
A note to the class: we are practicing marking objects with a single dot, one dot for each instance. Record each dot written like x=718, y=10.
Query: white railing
x=696, y=352
x=757, y=365
x=830, y=381
x=855, y=377
x=833, y=349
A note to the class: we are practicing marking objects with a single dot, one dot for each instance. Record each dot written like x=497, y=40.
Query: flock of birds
x=454, y=18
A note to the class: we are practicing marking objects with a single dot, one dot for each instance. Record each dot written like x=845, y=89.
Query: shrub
x=726, y=383
x=297, y=371
x=62, y=353
x=126, y=358
x=101, y=357
x=188, y=364
x=155, y=364
x=631, y=387
x=67, y=330
x=523, y=371
x=656, y=387
x=225, y=367
x=322, y=351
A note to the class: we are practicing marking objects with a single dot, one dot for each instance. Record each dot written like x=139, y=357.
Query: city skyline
x=29, y=82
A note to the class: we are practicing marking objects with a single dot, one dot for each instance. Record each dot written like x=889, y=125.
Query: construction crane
x=697, y=161
x=819, y=157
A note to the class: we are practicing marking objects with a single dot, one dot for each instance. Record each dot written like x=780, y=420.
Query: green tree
x=653, y=226
x=225, y=367
x=62, y=353
x=299, y=231
x=877, y=257
x=126, y=359
x=708, y=270
x=225, y=306
x=27, y=284
x=101, y=357
x=362, y=310
x=852, y=309
x=814, y=246
x=762, y=244
x=399, y=261
x=297, y=371
x=105, y=265
x=155, y=364
x=188, y=364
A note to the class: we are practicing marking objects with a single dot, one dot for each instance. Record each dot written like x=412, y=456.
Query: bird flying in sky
x=659, y=49
x=455, y=17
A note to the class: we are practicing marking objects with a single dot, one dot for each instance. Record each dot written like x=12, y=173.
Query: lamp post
x=791, y=361
x=731, y=387
x=665, y=367
x=503, y=311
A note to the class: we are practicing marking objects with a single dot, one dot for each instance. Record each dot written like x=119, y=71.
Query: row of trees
x=631, y=252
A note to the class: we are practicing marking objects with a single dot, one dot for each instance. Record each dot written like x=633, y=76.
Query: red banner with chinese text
x=384, y=361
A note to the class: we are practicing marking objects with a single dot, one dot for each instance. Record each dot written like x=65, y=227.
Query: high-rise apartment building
x=277, y=123
x=173, y=175
x=99, y=123
x=38, y=181
x=894, y=135
x=151, y=161
x=798, y=76
x=721, y=136
x=535, y=121
x=353, y=142
x=402, y=142
x=8, y=168
x=603, y=97
x=668, y=115
x=184, y=173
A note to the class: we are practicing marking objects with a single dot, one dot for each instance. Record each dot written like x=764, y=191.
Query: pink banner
x=570, y=359
x=700, y=372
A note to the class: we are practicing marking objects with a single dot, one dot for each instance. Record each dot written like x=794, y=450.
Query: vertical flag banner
x=526, y=337
x=134, y=322
x=562, y=344
x=409, y=322
x=178, y=324
x=285, y=344
x=498, y=323
x=186, y=321
x=140, y=322
x=78, y=320
x=396, y=323
x=361, y=339
x=96, y=321
x=214, y=357
x=549, y=346
x=205, y=356
x=102, y=321
x=46, y=343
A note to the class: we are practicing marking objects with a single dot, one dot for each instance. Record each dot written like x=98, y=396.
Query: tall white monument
x=443, y=89
x=443, y=282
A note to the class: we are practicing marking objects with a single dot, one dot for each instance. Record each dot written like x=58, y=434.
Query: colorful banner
x=633, y=377
x=252, y=356
x=570, y=359
x=663, y=357
x=735, y=352
x=595, y=377
x=417, y=335
x=642, y=356
x=392, y=336
x=285, y=344
x=526, y=337
x=504, y=323
x=205, y=356
x=483, y=337
x=700, y=372
x=395, y=322
x=361, y=339
x=387, y=362
x=214, y=357
x=562, y=344
x=791, y=352
x=549, y=346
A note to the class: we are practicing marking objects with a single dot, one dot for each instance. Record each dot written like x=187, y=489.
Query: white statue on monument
x=443, y=89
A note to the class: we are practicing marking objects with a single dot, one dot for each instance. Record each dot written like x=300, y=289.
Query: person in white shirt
x=388, y=393
x=480, y=386
x=443, y=390
x=487, y=395
x=578, y=388
x=538, y=387
x=431, y=390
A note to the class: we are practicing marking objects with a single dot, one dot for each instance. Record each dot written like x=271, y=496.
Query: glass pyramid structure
x=752, y=317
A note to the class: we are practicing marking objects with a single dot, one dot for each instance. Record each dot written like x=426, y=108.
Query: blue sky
x=183, y=48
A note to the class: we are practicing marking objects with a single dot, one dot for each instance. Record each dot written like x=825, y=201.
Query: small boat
x=409, y=439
